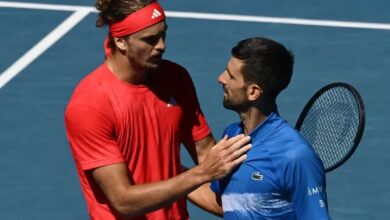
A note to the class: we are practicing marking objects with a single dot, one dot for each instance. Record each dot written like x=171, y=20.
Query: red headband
x=138, y=20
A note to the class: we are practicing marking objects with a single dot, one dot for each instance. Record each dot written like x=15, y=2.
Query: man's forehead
x=235, y=63
x=154, y=29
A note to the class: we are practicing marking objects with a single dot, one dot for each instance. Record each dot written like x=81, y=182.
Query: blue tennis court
x=48, y=46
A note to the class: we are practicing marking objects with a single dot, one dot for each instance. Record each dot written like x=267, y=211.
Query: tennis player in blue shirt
x=282, y=177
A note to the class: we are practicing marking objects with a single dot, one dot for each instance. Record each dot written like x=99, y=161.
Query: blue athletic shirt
x=282, y=177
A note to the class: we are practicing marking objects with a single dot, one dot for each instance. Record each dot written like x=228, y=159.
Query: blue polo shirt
x=282, y=177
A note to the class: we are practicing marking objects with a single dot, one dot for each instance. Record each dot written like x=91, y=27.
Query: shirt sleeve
x=306, y=185
x=91, y=133
x=215, y=187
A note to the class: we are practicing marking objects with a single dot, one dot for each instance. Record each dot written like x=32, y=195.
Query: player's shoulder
x=301, y=154
x=90, y=85
x=94, y=78
x=90, y=90
x=295, y=146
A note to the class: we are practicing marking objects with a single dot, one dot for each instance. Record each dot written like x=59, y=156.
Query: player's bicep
x=113, y=180
x=91, y=135
x=199, y=149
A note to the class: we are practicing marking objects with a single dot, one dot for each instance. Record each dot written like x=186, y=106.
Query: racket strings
x=331, y=125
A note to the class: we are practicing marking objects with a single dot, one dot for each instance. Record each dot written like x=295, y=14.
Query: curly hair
x=111, y=11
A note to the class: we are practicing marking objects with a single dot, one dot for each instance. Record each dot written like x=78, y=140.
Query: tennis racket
x=333, y=122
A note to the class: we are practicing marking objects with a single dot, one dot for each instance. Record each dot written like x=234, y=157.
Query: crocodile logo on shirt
x=257, y=176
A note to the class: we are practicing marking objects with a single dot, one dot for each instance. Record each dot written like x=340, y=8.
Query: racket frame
x=362, y=117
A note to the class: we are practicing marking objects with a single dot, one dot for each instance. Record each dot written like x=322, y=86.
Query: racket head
x=333, y=122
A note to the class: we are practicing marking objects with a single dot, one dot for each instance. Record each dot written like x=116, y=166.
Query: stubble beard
x=237, y=107
x=146, y=67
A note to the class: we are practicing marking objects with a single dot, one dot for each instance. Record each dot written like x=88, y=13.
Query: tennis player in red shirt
x=126, y=120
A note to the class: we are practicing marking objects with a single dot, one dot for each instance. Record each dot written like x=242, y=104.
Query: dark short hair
x=266, y=63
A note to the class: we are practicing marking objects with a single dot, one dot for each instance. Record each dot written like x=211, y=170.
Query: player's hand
x=225, y=156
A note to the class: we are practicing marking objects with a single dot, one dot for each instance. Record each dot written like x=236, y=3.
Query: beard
x=144, y=70
x=227, y=104
x=145, y=66
x=237, y=105
x=153, y=65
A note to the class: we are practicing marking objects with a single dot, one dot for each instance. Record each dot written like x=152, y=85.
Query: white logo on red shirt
x=171, y=102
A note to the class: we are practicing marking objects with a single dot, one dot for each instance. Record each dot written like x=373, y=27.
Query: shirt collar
x=264, y=128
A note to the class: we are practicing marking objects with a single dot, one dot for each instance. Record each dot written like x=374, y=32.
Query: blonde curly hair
x=111, y=11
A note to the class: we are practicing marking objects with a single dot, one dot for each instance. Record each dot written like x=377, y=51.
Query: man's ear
x=120, y=43
x=254, y=92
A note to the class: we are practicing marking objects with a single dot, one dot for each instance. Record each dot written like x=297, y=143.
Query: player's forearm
x=219, y=161
x=140, y=199
x=133, y=200
x=206, y=199
x=203, y=147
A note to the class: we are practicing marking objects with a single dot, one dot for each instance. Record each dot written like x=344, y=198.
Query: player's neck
x=257, y=113
x=121, y=68
x=251, y=119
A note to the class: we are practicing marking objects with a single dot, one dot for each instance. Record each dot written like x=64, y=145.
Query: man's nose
x=221, y=78
x=160, y=44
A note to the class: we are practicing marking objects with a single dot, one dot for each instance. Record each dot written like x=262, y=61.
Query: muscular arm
x=206, y=199
x=199, y=149
x=203, y=197
x=133, y=200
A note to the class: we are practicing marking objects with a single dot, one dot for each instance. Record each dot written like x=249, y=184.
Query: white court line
x=279, y=20
x=211, y=16
x=42, y=46
x=82, y=11
x=53, y=7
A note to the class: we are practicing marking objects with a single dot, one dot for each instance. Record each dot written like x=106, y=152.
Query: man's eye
x=151, y=40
